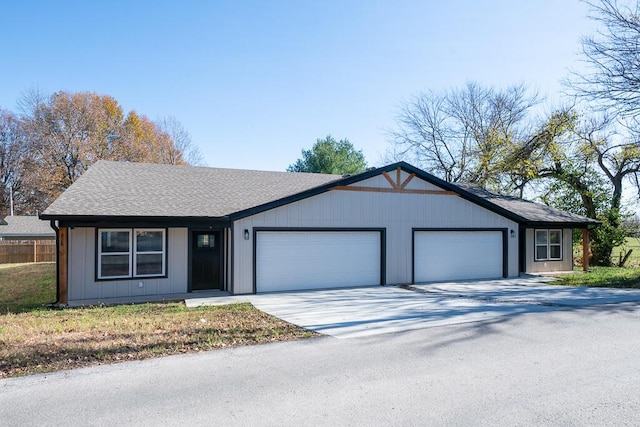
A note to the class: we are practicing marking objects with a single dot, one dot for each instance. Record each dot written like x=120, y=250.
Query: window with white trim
x=126, y=253
x=548, y=245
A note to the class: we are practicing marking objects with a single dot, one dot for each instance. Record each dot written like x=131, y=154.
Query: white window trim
x=136, y=253
x=132, y=253
x=101, y=254
x=548, y=245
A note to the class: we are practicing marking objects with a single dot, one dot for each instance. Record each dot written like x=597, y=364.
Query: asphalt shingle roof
x=123, y=189
x=150, y=190
x=26, y=226
x=532, y=212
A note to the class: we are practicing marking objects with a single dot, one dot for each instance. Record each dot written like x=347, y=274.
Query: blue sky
x=254, y=82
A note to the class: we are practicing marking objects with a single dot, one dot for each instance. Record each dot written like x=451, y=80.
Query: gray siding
x=566, y=264
x=82, y=265
x=398, y=213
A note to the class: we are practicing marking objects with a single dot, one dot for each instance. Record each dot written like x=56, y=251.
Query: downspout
x=522, y=249
x=57, y=230
x=232, y=286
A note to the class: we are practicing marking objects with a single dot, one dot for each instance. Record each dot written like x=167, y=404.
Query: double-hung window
x=548, y=245
x=128, y=253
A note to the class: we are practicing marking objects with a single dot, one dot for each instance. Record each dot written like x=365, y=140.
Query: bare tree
x=12, y=151
x=181, y=147
x=612, y=55
x=461, y=134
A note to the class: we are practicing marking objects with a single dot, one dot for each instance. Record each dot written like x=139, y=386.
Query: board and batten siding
x=398, y=213
x=82, y=265
x=533, y=266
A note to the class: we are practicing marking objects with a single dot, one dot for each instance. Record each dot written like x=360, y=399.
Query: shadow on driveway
x=529, y=290
x=357, y=312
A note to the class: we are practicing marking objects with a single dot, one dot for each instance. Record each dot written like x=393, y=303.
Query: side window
x=548, y=245
x=542, y=239
x=555, y=244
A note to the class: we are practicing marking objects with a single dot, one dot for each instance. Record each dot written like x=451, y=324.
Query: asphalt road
x=567, y=367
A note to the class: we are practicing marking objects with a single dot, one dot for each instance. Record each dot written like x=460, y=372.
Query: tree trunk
x=623, y=260
x=601, y=253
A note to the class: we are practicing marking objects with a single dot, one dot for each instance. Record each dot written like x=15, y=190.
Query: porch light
x=513, y=233
x=246, y=234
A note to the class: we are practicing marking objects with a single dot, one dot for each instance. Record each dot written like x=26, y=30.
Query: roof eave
x=562, y=224
x=92, y=220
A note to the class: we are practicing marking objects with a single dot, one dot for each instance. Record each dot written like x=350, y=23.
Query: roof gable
x=521, y=211
x=397, y=180
x=393, y=175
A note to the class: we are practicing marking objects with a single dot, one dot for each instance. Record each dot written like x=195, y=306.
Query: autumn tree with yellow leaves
x=57, y=137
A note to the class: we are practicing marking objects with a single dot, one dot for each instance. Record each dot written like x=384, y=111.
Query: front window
x=126, y=253
x=548, y=245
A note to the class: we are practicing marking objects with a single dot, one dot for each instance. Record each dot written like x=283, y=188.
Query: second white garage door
x=457, y=255
x=296, y=260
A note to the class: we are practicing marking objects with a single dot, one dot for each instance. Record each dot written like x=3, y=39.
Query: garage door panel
x=291, y=260
x=457, y=255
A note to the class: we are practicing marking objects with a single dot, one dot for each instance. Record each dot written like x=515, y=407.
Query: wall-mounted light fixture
x=246, y=234
x=513, y=233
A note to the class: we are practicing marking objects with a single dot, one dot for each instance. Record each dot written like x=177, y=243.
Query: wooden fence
x=27, y=251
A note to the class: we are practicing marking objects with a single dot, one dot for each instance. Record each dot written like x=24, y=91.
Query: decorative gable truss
x=398, y=182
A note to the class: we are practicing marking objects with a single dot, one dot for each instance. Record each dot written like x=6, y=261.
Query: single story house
x=132, y=230
x=24, y=227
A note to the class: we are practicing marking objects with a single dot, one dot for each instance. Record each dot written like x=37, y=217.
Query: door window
x=206, y=240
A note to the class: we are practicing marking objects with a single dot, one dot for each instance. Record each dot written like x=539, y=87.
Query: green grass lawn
x=25, y=287
x=630, y=243
x=610, y=277
x=34, y=339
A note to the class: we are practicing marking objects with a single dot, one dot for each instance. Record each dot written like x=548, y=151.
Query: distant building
x=26, y=228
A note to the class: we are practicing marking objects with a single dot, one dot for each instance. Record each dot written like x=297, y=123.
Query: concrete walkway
x=356, y=312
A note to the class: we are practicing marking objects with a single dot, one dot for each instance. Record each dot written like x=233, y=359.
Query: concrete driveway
x=533, y=290
x=356, y=312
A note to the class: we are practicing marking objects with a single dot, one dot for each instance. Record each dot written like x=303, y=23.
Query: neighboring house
x=141, y=230
x=26, y=228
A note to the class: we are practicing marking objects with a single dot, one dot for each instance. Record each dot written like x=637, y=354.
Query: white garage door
x=292, y=260
x=457, y=255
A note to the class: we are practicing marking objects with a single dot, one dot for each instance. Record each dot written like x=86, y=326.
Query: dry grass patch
x=34, y=339
x=44, y=341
